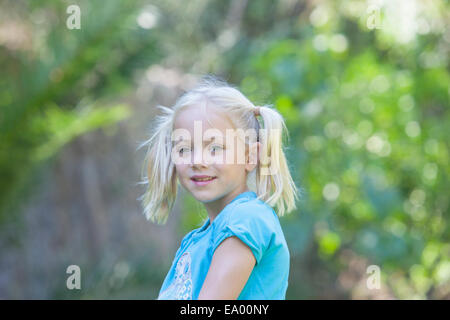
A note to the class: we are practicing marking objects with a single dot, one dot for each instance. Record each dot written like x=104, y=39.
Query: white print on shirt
x=181, y=286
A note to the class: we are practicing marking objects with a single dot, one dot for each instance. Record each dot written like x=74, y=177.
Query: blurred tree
x=60, y=83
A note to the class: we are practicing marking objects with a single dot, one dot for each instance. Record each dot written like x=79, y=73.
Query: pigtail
x=273, y=180
x=161, y=180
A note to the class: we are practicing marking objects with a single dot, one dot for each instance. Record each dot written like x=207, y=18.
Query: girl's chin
x=203, y=195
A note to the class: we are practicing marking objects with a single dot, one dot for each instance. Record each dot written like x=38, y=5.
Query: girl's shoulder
x=249, y=214
x=253, y=210
x=253, y=222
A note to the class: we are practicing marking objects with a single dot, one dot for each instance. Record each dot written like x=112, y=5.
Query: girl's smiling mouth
x=202, y=180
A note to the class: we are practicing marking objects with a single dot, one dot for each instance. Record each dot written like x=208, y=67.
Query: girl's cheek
x=179, y=171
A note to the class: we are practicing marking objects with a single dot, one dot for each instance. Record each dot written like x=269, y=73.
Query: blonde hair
x=277, y=190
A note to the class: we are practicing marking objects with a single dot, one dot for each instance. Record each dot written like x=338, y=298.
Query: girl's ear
x=253, y=156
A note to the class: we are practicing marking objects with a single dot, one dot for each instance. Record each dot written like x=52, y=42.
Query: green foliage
x=41, y=108
x=194, y=214
x=371, y=129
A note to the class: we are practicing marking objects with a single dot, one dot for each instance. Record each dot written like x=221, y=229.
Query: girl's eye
x=183, y=150
x=216, y=148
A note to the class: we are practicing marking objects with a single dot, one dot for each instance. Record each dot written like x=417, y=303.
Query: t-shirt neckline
x=250, y=194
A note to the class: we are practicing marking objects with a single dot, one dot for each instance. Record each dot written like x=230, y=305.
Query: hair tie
x=256, y=111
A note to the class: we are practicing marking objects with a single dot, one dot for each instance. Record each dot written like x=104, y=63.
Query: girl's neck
x=215, y=207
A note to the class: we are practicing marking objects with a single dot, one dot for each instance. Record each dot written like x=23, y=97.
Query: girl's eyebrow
x=206, y=140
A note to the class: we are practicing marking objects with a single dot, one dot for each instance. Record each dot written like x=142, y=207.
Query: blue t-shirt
x=257, y=225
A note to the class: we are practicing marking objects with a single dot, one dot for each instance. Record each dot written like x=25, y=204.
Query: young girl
x=240, y=251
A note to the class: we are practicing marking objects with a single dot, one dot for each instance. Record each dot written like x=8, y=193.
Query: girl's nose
x=199, y=159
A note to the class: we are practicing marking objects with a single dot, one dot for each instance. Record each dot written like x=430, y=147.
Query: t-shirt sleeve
x=252, y=224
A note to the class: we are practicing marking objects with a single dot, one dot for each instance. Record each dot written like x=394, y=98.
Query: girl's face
x=229, y=177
